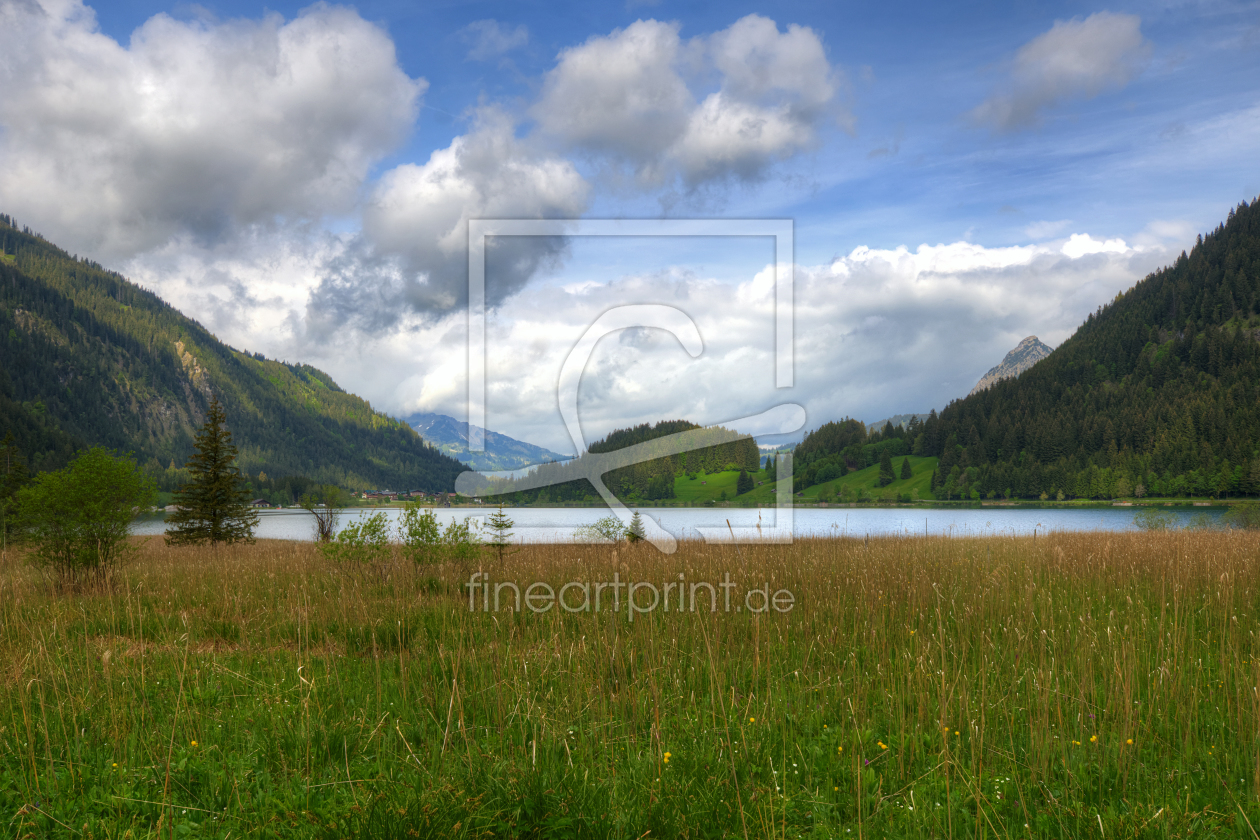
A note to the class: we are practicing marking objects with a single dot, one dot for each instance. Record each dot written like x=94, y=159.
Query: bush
x=606, y=529
x=77, y=518
x=420, y=534
x=1246, y=516
x=364, y=541
x=460, y=540
x=1154, y=519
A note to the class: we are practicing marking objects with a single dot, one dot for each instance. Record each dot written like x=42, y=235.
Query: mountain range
x=450, y=436
x=90, y=358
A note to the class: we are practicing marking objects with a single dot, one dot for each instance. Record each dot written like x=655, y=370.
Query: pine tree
x=744, y=483
x=500, y=527
x=635, y=532
x=214, y=506
x=885, y=468
x=905, y=469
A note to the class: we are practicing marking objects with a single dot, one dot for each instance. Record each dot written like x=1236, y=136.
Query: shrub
x=1246, y=516
x=1154, y=519
x=364, y=541
x=460, y=540
x=420, y=534
x=77, y=518
x=605, y=529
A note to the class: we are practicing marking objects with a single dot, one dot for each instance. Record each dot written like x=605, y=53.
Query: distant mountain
x=89, y=358
x=899, y=421
x=450, y=436
x=1026, y=354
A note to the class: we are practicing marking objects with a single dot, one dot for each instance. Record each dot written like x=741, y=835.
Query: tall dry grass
x=920, y=686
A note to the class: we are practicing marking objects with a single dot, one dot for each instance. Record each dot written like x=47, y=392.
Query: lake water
x=558, y=524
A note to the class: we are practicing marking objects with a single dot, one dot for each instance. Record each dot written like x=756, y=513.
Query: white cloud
x=192, y=129
x=491, y=39
x=413, y=253
x=625, y=95
x=878, y=332
x=1075, y=59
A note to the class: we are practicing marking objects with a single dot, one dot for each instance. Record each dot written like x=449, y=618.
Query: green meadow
x=704, y=488
x=1075, y=685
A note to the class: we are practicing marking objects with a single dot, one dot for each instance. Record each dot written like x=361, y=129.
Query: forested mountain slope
x=718, y=449
x=1157, y=393
x=87, y=357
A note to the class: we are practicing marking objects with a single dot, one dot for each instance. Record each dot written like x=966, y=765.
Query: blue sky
x=296, y=179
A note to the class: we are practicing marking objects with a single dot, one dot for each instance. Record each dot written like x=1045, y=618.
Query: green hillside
x=1157, y=393
x=90, y=358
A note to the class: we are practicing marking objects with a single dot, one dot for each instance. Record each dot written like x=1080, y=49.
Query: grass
x=1069, y=686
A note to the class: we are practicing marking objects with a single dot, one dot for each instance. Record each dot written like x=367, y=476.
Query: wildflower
x=752, y=720
x=667, y=757
x=824, y=726
x=955, y=731
x=194, y=743
x=839, y=749
x=1093, y=739
x=1129, y=742
x=882, y=745
x=115, y=763
x=911, y=632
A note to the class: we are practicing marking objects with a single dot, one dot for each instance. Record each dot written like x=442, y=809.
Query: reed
x=918, y=687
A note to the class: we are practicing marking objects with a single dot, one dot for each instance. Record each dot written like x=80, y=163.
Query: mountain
x=1157, y=393
x=450, y=436
x=90, y=358
x=1026, y=354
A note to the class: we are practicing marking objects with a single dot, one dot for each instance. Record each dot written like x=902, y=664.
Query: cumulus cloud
x=491, y=39
x=626, y=95
x=413, y=252
x=1075, y=59
x=192, y=128
x=878, y=332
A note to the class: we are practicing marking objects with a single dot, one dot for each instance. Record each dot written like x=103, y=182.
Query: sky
x=958, y=177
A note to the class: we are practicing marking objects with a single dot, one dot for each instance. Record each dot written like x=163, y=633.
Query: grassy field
x=1078, y=685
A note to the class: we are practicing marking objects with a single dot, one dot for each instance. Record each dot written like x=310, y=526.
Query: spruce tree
x=885, y=468
x=905, y=469
x=500, y=527
x=636, y=531
x=214, y=506
x=744, y=483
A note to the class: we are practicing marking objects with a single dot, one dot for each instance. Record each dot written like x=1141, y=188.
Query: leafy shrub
x=460, y=540
x=364, y=541
x=1154, y=519
x=77, y=518
x=606, y=529
x=1246, y=516
x=420, y=534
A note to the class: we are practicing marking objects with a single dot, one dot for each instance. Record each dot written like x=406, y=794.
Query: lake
x=558, y=524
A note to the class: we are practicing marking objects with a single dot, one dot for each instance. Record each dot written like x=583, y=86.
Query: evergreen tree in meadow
x=905, y=469
x=744, y=483
x=886, y=475
x=214, y=506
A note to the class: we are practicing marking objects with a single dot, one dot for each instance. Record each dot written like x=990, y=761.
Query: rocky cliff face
x=1026, y=354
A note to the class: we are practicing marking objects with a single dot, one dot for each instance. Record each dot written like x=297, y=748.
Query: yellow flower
x=194, y=743
x=1129, y=742
x=668, y=756
x=1093, y=739
x=839, y=749
x=911, y=632
x=882, y=745
x=667, y=759
x=824, y=726
x=955, y=731
x=115, y=763
x=752, y=720
x=837, y=787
